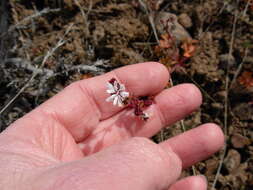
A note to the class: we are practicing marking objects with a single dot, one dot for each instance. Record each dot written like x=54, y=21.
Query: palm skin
x=77, y=140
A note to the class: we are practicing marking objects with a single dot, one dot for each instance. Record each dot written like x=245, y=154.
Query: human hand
x=77, y=140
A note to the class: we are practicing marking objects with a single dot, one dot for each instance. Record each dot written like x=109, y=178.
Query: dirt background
x=101, y=35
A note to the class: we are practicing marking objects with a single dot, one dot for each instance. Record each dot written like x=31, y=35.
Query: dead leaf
x=86, y=76
x=246, y=79
x=189, y=47
x=166, y=41
x=239, y=141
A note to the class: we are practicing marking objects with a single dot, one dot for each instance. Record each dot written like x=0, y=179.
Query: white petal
x=124, y=94
x=146, y=115
x=122, y=87
x=110, y=91
x=120, y=102
x=111, y=98
x=115, y=101
x=110, y=87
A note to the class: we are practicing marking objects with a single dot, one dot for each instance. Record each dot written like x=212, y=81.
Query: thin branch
x=201, y=34
x=226, y=101
x=29, y=18
x=202, y=89
x=150, y=18
x=239, y=68
x=246, y=8
x=85, y=15
x=36, y=72
x=25, y=64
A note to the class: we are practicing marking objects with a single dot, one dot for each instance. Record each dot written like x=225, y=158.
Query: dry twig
x=36, y=72
x=85, y=15
x=29, y=18
x=222, y=157
x=239, y=68
x=151, y=18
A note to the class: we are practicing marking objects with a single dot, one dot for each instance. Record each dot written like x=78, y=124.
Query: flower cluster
x=117, y=92
x=139, y=104
x=120, y=98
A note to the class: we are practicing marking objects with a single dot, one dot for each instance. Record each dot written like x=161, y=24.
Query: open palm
x=77, y=140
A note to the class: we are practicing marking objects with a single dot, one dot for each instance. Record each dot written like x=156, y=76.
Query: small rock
x=244, y=111
x=251, y=150
x=185, y=20
x=239, y=141
x=168, y=23
x=251, y=134
x=226, y=59
x=233, y=160
x=211, y=166
x=217, y=106
x=68, y=4
x=238, y=177
x=221, y=93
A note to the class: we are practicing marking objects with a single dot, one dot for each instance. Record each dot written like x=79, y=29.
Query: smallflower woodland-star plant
x=120, y=97
x=117, y=92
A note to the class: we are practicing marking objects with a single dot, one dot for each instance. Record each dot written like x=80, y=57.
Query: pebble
x=168, y=23
x=244, y=111
x=233, y=160
x=239, y=141
x=185, y=20
x=226, y=59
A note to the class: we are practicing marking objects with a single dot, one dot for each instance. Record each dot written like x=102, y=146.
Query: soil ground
x=101, y=35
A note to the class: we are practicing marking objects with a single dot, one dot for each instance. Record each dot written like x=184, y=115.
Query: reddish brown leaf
x=189, y=47
x=166, y=41
x=86, y=76
x=246, y=79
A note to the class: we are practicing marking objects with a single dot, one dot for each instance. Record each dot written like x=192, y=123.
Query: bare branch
x=222, y=157
x=30, y=18
x=36, y=72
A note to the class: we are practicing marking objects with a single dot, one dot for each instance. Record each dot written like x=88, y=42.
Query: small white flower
x=145, y=116
x=117, y=92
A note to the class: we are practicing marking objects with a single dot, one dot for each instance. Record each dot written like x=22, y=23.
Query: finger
x=190, y=183
x=82, y=105
x=196, y=144
x=136, y=164
x=170, y=106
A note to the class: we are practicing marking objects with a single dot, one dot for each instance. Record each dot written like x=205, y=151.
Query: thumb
x=136, y=164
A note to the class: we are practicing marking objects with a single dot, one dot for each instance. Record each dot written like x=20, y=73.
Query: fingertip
x=193, y=93
x=202, y=178
x=160, y=69
x=215, y=136
x=190, y=183
x=197, y=144
x=199, y=182
x=144, y=78
x=177, y=102
x=158, y=72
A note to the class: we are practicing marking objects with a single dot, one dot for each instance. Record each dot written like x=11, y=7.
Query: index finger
x=81, y=106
